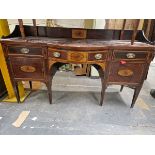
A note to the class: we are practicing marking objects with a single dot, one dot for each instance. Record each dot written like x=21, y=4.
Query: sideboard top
x=79, y=39
x=79, y=44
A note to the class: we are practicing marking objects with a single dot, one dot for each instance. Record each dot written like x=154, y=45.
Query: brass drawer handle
x=56, y=54
x=24, y=50
x=130, y=55
x=98, y=56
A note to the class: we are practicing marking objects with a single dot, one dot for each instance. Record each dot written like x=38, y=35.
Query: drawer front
x=27, y=67
x=25, y=50
x=77, y=57
x=129, y=72
x=97, y=56
x=70, y=56
x=131, y=55
x=57, y=54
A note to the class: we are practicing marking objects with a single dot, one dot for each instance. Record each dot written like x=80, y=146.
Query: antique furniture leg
x=136, y=93
x=121, y=88
x=103, y=76
x=17, y=92
x=53, y=70
x=146, y=75
x=30, y=83
x=14, y=83
x=104, y=86
x=152, y=92
x=103, y=91
x=49, y=85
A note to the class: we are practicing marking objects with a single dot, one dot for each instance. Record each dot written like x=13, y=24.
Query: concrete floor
x=75, y=109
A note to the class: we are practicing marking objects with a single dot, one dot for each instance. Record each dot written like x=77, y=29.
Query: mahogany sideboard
x=35, y=53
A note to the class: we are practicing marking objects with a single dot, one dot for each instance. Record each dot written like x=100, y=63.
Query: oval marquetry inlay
x=125, y=72
x=28, y=69
x=77, y=33
x=76, y=56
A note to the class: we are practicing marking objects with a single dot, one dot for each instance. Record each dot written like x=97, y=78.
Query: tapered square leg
x=103, y=81
x=121, y=88
x=102, y=93
x=17, y=92
x=30, y=83
x=136, y=93
x=49, y=89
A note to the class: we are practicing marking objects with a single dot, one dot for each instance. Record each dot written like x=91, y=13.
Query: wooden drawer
x=128, y=73
x=25, y=50
x=131, y=55
x=77, y=57
x=97, y=56
x=32, y=68
x=57, y=54
x=70, y=56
